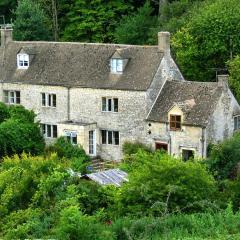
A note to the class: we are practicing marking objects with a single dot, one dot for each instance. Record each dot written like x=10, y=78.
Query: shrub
x=162, y=184
x=130, y=148
x=224, y=158
x=4, y=113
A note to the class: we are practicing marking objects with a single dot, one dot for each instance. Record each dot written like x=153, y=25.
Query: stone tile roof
x=197, y=100
x=78, y=64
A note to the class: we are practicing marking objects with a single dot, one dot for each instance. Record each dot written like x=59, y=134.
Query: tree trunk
x=55, y=19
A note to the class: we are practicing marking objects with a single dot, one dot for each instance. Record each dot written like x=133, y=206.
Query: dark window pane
x=109, y=105
x=115, y=101
x=55, y=131
x=178, y=125
x=178, y=118
x=104, y=136
x=6, y=97
x=110, y=139
x=17, y=97
x=43, y=99
x=49, y=131
x=43, y=126
x=116, y=138
x=54, y=100
x=104, y=104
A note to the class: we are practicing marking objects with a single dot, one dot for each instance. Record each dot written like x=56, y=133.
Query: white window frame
x=108, y=134
x=116, y=65
x=45, y=130
x=236, y=122
x=108, y=104
x=49, y=100
x=71, y=135
x=10, y=97
x=22, y=61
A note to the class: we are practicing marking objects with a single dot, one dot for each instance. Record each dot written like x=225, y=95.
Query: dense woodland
x=165, y=198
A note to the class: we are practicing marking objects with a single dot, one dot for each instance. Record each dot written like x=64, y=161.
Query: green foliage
x=30, y=23
x=18, y=112
x=206, y=41
x=234, y=80
x=6, y=8
x=76, y=154
x=130, y=148
x=134, y=29
x=94, y=20
x=161, y=184
x=4, y=112
x=224, y=158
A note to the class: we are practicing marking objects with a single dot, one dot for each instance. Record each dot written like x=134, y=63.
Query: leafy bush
x=130, y=148
x=224, y=158
x=162, y=184
x=4, y=112
x=64, y=149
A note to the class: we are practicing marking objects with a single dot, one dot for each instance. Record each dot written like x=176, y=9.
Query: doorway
x=92, y=143
x=187, y=154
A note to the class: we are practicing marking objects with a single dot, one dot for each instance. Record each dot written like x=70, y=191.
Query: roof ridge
x=85, y=43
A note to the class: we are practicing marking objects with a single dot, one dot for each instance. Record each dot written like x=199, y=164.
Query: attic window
x=22, y=61
x=175, y=122
x=116, y=65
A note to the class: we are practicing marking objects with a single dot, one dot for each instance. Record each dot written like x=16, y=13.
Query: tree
x=208, y=40
x=94, y=20
x=135, y=29
x=6, y=9
x=19, y=132
x=30, y=23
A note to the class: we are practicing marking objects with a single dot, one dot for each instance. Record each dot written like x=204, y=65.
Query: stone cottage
x=101, y=95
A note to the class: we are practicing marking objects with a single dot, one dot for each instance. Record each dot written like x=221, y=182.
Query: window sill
x=109, y=112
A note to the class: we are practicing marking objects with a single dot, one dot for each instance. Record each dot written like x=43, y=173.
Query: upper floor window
x=116, y=65
x=49, y=131
x=11, y=97
x=109, y=104
x=110, y=137
x=236, y=122
x=23, y=61
x=175, y=122
x=49, y=100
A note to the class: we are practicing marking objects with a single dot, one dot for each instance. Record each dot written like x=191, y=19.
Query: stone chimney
x=223, y=80
x=164, y=42
x=6, y=35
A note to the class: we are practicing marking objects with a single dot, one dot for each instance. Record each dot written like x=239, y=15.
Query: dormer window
x=116, y=65
x=22, y=61
x=175, y=122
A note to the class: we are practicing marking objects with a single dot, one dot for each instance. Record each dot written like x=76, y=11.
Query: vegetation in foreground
x=165, y=197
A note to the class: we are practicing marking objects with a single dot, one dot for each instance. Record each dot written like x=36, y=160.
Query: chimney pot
x=6, y=35
x=164, y=42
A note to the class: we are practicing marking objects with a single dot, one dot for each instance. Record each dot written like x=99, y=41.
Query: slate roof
x=80, y=65
x=197, y=100
x=109, y=177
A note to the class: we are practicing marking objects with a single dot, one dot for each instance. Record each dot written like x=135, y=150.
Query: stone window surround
x=113, y=137
x=12, y=96
x=49, y=100
x=22, y=61
x=49, y=130
x=236, y=120
x=112, y=107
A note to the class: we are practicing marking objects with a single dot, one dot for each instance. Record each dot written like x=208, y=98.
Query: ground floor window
x=49, y=131
x=161, y=146
x=187, y=154
x=236, y=122
x=110, y=137
x=71, y=137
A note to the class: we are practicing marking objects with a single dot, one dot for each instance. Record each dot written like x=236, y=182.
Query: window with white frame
x=109, y=104
x=22, y=61
x=49, y=131
x=71, y=137
x=116, y=65
x=49, y=100
x=237, y=122
x=110, y=137
x=11, y=97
